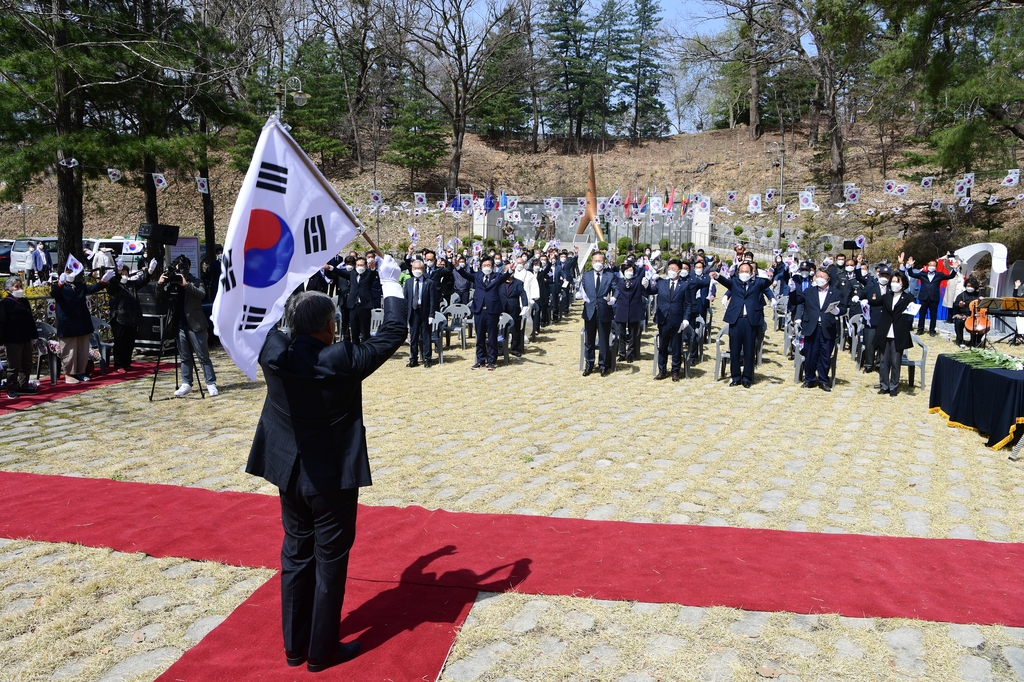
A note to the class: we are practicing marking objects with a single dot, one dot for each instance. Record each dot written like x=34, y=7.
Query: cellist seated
x=968, y=316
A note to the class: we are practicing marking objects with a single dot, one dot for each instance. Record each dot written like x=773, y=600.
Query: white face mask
x=672, y=274
x=349, y=268
x=562, y=260
x=70, y=277
x=931, y=268
x=628, y=274
x=519, y=267
x=849, y=268
x=543, y=263
x=969, y=290
x=883, y=280
x=417, y=273
x=820, y=281
x=360, y=269
x=598, y=267
x=698, y=271
x=487, y=269
x=744, y=276
x=684, y=273
x=20, y=293
x=864, y=271
x=897, y=287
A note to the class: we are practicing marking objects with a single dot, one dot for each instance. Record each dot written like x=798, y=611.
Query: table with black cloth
x=990, y=401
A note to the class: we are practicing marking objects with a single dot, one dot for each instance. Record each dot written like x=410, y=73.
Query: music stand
x=1007, y=307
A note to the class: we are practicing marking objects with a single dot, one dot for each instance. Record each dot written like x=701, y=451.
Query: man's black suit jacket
x=313, y=414
x=366, y=291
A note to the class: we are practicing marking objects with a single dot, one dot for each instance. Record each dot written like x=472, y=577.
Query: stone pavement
x=537, y=438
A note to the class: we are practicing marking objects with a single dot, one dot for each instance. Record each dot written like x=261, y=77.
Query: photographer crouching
x=184, y=295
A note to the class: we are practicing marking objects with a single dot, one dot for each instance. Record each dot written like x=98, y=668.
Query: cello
x=977, y=322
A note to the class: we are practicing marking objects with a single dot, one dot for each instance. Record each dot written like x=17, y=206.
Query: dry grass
x=75, y=609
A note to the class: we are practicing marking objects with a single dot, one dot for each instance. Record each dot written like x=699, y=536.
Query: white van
x=19, y=252
x=127, y=248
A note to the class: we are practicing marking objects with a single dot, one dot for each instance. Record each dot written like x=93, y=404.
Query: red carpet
x=49, y=392
x=435, y=561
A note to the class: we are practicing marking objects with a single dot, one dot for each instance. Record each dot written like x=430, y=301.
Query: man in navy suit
x=421, y=302
x=363, y=291
x=310, y=443
x=514, y=300
x=744, y=315
x=823, y=306
x=676, y=300
x=486, y=309
x=598, y=294
x=929, y=293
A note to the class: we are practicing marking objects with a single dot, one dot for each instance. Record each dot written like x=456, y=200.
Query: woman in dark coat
x=629, y=312
x=892, y=333
x=74, y=324
x=125, y=313
x=17, y=333
x=962, y=310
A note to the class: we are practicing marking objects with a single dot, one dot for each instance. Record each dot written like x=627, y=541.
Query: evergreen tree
x=643, y=83
x=418, y=139
x=570, y=77
x=609, y=48
x=504, y=113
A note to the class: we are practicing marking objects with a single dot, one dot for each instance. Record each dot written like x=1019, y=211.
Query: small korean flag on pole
x=806, y=201
x=513, y=202
x=754, y=203
x=936, y=204
x=203, y=185
x=68, y=163
x=375, y=196
x=159, y=180
x=926, y=183
x=769, y=194
x=730, y=196
x=74, y=265
x=1012, y=178
x=901, y=190
x=114, y=175
x=853, y=195
x=420, y=198
x=890, y=187
x=969, y=180
x=960, y=189
x=287, y=222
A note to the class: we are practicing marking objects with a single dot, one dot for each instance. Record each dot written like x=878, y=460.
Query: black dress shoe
x=604, y=371
x=746, y=383
x=621, y=358
x=675, y=375
x=825, y=387
x=660, y=375
x=735, y=382
x=12, y=394
x=28, y=389
x=345, y=652
x=882, y=391
x=588, y=371
x=412, y=363
x=295, y=659
x=428, y=363
x=490, y=366
x=893, y=393
x=477, y=366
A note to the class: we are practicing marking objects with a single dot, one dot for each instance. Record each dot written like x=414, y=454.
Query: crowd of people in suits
x=616, y=304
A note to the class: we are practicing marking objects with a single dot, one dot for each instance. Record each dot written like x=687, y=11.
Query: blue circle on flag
x=269, y=247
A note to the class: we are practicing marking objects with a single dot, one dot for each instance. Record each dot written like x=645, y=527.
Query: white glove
x=855, y=299
x=646, y=282
x=389, y=271
x=152, y=266
x=655, y=276
x=430, y=320
x=686, y=323
x=107, y=276
x=611, y=300
x=63, y=278
x=774, y=302
x=120, y=264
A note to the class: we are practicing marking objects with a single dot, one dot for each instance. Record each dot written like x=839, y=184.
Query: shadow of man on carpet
x=423, y=597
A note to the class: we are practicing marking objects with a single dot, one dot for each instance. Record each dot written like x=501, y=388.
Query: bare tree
x=447, y=45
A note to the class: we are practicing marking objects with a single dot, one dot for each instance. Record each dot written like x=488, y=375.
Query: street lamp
x=24, y=210
x=298, y=96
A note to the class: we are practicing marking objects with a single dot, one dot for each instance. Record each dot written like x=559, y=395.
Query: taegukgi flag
x=287, y=222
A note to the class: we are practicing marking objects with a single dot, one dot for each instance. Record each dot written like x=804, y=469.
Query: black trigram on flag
x=315, y=234
x=251, y=317
x=272, y=177
x=228, y=280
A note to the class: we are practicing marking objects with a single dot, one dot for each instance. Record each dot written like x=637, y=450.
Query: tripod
x=171, y=322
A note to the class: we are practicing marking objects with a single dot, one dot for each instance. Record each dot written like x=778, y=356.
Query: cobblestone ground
x=537, y=438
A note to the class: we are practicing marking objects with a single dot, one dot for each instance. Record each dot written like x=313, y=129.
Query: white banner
x=287, y=222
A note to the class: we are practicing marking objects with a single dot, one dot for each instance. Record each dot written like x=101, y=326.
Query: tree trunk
x=755, y=96
x=534, y=100
x=458, y=136
x=837, y=165
x=209, y=226
x=69, y=229
x=815, y=123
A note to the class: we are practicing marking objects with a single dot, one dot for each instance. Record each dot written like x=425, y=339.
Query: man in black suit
x=676, y=299
x=310, y=443
x=513, y=298
x=486, y=309
x=598, y=294
x=364, y=289
x=421, y=302
x=929, y=294
x=744, y=314
x=823, y=306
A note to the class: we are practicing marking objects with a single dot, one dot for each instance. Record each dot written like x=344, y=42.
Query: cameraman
x=186, y=296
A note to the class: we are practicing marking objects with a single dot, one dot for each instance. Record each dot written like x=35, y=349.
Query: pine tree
x=570, y=78
x=418, y=139
x=610, y=45
x=643, y=84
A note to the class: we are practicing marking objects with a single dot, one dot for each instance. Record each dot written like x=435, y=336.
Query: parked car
x=5, y=255
x=19, y=252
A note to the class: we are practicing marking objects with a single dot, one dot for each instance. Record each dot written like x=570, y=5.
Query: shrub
x=664, y=244
x=624, y=244
x=826, y=246
x=738, y=230
x=602, y=246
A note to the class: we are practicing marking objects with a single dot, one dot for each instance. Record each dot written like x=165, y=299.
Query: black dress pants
x=318, y=533
x=932, y=307
x=359, y=319
x=124, y=343
x=741, y=349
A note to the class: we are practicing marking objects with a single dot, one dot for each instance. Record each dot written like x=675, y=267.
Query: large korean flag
x=287, y=222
